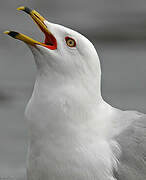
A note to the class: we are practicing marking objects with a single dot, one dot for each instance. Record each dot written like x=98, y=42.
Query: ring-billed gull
x=74, y=133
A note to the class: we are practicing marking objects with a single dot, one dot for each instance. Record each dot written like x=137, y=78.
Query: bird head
x=65, y=54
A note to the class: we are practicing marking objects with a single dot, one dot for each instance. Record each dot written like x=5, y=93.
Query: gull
x=73, y=133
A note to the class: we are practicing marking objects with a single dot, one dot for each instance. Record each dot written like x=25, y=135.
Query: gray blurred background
x=118, y=30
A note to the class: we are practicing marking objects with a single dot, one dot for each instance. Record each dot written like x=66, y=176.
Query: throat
x=68, y=101
x=61, y=101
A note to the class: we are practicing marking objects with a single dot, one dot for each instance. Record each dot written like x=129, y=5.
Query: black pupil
x=70, y=42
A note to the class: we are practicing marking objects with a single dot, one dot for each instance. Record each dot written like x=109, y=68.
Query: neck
x=62, y=103
x=53, y=83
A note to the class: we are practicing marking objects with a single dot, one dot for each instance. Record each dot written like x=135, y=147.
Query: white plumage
x=74, y=133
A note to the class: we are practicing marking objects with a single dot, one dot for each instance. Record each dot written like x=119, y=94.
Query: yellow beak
x=22, y=37
x=50, y=41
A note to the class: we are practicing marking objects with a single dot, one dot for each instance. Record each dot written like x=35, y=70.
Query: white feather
x=72, y=130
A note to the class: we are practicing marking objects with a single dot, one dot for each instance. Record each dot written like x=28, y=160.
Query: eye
x=70, y=42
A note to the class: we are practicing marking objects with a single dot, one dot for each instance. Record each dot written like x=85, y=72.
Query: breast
x=64, y=140
x=70, y=158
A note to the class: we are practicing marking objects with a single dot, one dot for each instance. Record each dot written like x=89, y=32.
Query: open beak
x=50, y=40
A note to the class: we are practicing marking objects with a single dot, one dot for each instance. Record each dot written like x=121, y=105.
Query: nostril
x=37, y=16
x=40, y=19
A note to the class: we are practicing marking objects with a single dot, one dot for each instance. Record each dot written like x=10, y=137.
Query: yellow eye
x=70, y=42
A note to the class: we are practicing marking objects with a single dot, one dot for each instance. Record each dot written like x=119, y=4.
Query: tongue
x=50, y=41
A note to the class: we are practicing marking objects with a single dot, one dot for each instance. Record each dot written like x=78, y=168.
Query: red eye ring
x=70, y=41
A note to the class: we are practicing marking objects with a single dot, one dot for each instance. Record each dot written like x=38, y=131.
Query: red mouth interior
x=50, y=41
